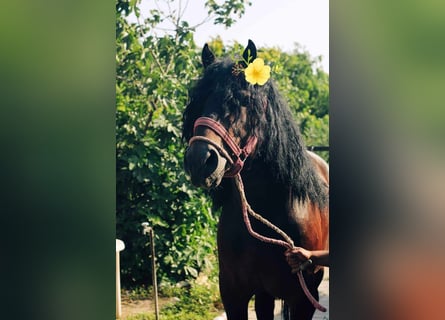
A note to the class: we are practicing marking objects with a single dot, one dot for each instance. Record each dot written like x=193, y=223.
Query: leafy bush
x=152, y=79
x=199, y=301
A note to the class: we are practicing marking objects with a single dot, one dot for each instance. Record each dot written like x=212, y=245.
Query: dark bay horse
x=232, y=125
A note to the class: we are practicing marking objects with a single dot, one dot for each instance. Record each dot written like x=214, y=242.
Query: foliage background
x=153, y=75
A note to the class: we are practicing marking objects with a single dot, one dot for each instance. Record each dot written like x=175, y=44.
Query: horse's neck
x=267, y=198
x=303, y=221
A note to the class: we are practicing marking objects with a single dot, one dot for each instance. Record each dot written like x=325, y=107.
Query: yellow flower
x=257, y=72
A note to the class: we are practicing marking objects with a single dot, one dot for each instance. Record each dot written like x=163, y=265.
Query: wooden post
x=150, y=232
x=153, y=268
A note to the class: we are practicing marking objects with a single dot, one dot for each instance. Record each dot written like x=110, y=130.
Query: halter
x=237, y=155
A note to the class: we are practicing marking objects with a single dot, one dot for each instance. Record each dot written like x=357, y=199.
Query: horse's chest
x=237, y=245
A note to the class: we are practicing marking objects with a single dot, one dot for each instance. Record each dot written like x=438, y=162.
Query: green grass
x=138, y=293
x=196, y=302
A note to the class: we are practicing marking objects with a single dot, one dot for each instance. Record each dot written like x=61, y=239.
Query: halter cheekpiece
x=237, y=155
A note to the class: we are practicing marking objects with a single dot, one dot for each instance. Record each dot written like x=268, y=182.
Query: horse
x=236, y=129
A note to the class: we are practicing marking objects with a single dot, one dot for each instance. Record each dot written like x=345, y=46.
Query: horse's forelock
x=217, y=83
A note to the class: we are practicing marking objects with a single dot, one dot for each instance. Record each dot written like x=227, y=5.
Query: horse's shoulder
x=320, y=164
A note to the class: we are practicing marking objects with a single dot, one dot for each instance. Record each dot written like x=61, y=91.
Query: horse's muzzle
x=204, y=165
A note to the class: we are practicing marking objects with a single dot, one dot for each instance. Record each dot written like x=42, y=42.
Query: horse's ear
x=207, y=56
x=249, y=53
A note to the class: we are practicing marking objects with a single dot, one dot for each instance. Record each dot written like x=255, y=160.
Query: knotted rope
x=288, y=243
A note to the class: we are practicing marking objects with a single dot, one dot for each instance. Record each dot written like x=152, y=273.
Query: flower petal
x=258, y=63
x=257, y=73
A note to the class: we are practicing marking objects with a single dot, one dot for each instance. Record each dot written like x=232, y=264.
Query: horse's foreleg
x=235, y=301
x=302, y=309
x=235, y=306
x=264, y=306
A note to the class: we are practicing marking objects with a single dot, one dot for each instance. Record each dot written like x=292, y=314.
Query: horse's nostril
x=204, y=165
x=201, y=161
x=212, y=160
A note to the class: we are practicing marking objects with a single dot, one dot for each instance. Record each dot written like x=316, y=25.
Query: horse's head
x=221, y=120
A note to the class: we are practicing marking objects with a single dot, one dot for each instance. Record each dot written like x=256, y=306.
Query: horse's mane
x=280, y=145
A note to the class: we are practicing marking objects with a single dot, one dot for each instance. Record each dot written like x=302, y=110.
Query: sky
x=278, y=23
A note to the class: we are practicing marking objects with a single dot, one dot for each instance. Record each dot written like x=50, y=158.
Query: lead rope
x=288, y=243
x=248, y=210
